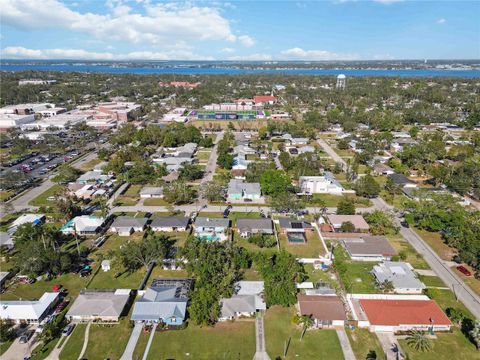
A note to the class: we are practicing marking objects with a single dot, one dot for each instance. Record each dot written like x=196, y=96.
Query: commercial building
x=12, y=121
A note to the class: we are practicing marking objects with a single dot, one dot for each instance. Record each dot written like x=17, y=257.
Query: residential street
x=328, y=149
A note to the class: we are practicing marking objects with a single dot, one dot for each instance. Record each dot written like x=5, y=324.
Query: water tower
x=341, y=81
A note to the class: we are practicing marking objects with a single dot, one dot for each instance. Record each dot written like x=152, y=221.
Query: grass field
x=445, y=347
x=320, y=276
x=4, y=346
x=203, y=155
x=414, y=258
x=431, y=281
x=227, y=340
x=329, y=200
x=108, y=342
x=311, y=248
x=363, y=341
x=90, y=164
x=469, y=280
x=73, y=347
x=155, y=202
x=316, y=344
x=41, y=200
x=435, y=241
x=5, y=194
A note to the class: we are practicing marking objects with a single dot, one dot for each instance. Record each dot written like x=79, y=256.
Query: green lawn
x=228, y=340
x=311, y=248
x=320, y=276
x=73, y=347
x=203, y=155
x=5, y=194
x=434, y=239
x=90, y=164
x=359, y=277
x=159, y=273
x=316, y=344
x=4, y=346
x=363, y=341
x=73, y=282
x=234, y=215
x=41, y=200
x=155, y=202
x=108, y=341
x=402, y=245
x=107, y=280
x=141, y=345
x=445, y=347
x=431, y=281
x=329, y=200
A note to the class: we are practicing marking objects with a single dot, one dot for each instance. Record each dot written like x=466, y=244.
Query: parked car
x=67, y=330
x=56, y=288
x=464, y=270
x=27, y=335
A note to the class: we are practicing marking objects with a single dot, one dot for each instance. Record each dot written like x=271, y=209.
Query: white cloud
x=441, y=21
x=246, y=40
x=301, y=54
x=18, y=52
x=228, y=50
x=251, y=57
x=160, y=23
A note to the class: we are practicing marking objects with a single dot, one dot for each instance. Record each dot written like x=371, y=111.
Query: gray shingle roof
x=399, y=273
x=212, y=222
x=369, y=246
x=99, y=303
x=248, y=225
x=170, y=221
x=129, y=221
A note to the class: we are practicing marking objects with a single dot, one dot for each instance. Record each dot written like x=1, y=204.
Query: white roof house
x=247, y=300
x=83, y=225
x=151, y=192
x=29, y=311
x=34, y=219
x=326, y=184
x=400, y=274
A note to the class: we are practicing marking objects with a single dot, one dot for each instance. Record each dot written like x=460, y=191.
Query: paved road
x=345, y=343
x=390, y=345
x=261, y=351
x=21, y=202
x=212, y=160
x=441, y=267
x=149, y=343
x=328, y=149
x=132, y=342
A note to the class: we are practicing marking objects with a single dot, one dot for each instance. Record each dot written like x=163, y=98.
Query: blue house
x=164, y=302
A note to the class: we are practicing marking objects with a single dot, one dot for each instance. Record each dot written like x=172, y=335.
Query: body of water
x=238, y=71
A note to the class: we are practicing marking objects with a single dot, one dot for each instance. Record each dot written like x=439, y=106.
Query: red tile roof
x=403, y=312
x=264, y=98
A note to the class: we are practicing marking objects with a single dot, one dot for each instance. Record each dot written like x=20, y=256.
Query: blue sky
x=240, y=30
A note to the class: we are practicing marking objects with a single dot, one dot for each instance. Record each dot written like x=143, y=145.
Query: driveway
x=261, y=351
x=345, y=343
x=328, y=149
x=132, y=342
x=390, y=345
x=18, y=351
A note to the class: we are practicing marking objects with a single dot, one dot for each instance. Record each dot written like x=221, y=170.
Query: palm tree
x=306, y=321
x=386, y=286
x=372, y=355
x=418, y=341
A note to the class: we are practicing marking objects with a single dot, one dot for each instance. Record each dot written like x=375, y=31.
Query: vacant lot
x=229, y=340
x=403, y=246
x=316, y=344
x=435, y=241
x=41, y=200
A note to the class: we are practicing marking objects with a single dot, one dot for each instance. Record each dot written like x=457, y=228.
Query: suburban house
x=31, y=312
x=83, y=225
x=170, y=223
x=243, y=149
x=104, y=305
x=239, y=190
x=33, y=219
x=357, y=221
x=295, y=230
x=6, y=241
x=93, y=177
x=151, y=192
x=247, y=227
x=127, y=225
x=306, y=149
x=326, y=311
x=326, y=184
x=294, y=141
x=164, y=302
x=211, y=228
x=382, y=169
x=394, y=313
x=402, y=180
x=246, y=301
x=369, y=248
x=400, y=274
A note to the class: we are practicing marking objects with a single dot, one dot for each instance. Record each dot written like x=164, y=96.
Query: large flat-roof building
x=31, y=312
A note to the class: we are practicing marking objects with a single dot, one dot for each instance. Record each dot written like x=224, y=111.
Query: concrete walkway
x=345, y=344
x=55, y=354
x=390, y=345
x=132, y=342
x=261, y=352
x=149, y=343
x=85, y=341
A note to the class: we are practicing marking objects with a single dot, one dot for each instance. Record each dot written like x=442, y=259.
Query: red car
x=56, y=288
x=464, y=270
x=60, y=307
